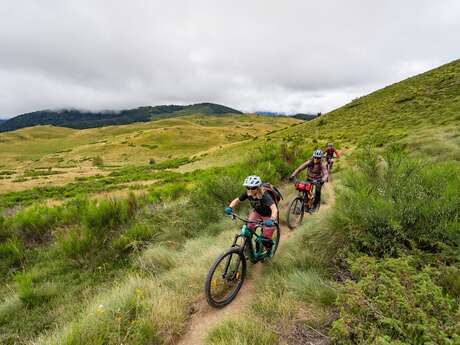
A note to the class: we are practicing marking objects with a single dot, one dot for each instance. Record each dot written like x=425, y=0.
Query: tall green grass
x=400, y=218
x=92, y=240
x=395, y=201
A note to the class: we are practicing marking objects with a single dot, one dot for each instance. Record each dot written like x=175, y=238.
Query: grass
x=89, y=272
x=178, y=137
x=295, y=294
x=241, y=332
x=74, y=242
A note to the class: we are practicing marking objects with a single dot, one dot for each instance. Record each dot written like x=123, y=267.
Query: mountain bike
x=302, y=203
x=329, y=163
x=226, y=275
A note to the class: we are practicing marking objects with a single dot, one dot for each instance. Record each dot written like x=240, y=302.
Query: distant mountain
x=269, y=113
x=83, y=119
x=2, y=120
x=305, y=117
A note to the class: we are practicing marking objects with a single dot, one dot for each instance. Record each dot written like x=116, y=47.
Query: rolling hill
x=139, y=263
x=81, y=119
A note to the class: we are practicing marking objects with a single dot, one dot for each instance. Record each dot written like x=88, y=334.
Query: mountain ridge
x=81, y=119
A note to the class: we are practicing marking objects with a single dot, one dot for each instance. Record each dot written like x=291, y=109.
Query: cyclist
x=263, y=208
x=330, y=151
x=317, y=174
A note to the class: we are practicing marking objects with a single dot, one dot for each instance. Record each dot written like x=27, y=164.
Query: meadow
x=130, y=270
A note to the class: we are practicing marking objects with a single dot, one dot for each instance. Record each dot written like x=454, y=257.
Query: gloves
x=269, y=223
x=228, y=210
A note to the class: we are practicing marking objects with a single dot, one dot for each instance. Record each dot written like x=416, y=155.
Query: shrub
x=393, y=302
x=30, y=293
x=11, y=254
x=399, y=202
x=76, y=243
x=105, y=215
x=34, y=224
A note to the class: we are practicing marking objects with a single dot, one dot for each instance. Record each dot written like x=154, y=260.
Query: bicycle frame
x=308, y=196
x=247, y=235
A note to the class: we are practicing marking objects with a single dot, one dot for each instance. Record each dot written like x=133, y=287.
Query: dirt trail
x=205, y=317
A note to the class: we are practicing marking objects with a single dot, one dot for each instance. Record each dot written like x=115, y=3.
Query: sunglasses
x=251, y=188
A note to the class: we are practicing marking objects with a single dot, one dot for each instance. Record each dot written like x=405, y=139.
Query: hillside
x=80, y=119
x=305, y=117
x=379, y=266
x=399, y=112
x=28, y=154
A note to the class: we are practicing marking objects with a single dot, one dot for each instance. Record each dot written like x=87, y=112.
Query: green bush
x=394, y=303
x=11, y=254
x=399, y=202
x=105, y=215
x=34, y=224
x=30, y=293
x=76, y=243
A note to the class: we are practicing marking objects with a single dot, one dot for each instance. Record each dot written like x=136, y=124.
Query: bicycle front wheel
x=295, y=213
x=225, y=278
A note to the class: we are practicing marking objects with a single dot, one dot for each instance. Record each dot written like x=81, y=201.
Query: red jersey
x=330, y=152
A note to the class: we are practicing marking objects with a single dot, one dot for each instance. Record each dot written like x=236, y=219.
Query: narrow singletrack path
x=205, y=317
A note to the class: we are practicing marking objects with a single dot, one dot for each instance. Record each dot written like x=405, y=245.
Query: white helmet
x=252, y=181
x=318, y=154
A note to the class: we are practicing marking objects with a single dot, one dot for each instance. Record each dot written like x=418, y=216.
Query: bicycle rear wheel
x=225, y=278
x=295, y=213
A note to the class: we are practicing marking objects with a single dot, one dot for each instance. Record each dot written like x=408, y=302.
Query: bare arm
x=234, y=203
x=274, y=211
x=325, y=173
x=300, y=168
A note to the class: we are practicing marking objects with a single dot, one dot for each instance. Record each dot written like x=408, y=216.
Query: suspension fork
x=227, y=264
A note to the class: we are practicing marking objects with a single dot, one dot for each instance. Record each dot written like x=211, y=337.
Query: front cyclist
x=263, y=207
x=317, y=174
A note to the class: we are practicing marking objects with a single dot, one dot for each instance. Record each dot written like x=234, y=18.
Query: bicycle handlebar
x=296, y=180
x=247, y=221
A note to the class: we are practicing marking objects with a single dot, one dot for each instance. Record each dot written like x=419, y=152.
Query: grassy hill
x=430, y=101
x=47, y=156
x=138, y=263
x=81, y=119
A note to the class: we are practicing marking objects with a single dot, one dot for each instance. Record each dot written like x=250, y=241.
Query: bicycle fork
x=227, y=264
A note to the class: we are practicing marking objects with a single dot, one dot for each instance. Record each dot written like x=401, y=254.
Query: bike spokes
x=226, y=277
x=295, y=213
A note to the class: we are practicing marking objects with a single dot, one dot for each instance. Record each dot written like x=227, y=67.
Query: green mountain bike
x=226, y=275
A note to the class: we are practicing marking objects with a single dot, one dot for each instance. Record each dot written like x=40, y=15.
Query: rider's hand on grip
x=228, y=210
x=269, y=222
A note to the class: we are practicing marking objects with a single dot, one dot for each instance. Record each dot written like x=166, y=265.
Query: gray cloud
x=294, y=56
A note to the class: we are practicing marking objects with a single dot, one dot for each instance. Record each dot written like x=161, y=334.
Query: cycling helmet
x=329, y=145
x=317, y=154
x=252, y=181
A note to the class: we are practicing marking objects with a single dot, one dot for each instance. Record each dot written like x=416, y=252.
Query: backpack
x=273, y=191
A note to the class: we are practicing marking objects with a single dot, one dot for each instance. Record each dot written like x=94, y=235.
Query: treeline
x=83, y=119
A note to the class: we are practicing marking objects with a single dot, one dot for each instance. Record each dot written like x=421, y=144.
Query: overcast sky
x=289, y=56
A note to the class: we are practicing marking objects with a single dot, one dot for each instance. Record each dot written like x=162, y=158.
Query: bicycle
x=302, y=203
x=226, y=275
x=329, y=163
